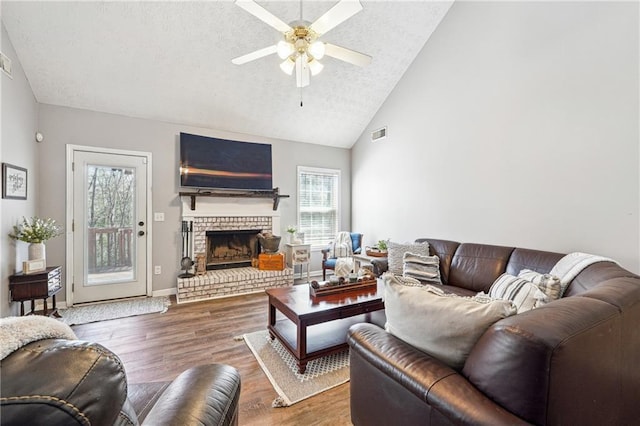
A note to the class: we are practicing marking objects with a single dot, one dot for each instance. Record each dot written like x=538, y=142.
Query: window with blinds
x=318, y=206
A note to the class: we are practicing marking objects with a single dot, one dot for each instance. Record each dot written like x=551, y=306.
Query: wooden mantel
x=273, y=193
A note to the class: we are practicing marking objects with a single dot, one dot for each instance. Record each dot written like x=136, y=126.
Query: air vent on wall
x=379, y=134
x=5, y=64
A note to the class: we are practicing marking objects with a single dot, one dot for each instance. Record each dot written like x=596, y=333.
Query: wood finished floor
x=158, y=347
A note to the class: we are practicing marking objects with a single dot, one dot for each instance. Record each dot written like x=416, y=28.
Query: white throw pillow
x=524, y=294
x=445, y=326
x=426, y=269
x=547, y=283
x=396, y=251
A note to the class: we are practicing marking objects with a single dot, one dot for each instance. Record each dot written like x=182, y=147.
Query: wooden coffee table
x=317, y=326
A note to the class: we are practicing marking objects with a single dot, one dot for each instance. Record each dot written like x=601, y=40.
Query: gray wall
x=517, y=124
x=19, y=116
x=61, y=126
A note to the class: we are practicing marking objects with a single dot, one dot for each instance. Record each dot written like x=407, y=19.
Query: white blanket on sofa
x=16, y=332
x=572, y=264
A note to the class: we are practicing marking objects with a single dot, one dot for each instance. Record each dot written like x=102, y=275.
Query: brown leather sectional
x=574, y=361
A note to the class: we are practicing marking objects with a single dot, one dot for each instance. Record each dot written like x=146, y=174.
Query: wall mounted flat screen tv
x=224, y=164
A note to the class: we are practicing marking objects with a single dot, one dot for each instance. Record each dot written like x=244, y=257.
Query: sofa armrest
x=433, y=382
x=64, y=382
x=380, y=265
x=207, y=394
x=566, y=356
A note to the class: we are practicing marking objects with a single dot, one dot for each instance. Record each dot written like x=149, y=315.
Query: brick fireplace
x=225, y=231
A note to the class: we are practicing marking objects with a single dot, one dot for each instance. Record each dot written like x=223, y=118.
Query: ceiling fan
x=300, y=47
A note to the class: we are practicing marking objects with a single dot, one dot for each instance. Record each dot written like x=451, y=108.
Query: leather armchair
x=330, y=262
x=63, y=382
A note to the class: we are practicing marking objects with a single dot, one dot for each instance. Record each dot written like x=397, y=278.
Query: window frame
x=337, y=174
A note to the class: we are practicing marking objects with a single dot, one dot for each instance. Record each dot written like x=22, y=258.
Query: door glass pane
x=110, y=223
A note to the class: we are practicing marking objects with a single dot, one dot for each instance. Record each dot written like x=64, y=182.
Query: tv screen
x=224, y=164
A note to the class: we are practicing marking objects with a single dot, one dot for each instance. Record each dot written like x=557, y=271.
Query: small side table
x=299, y=254
x=39, y=285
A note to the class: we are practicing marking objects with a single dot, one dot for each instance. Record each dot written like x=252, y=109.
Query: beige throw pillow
x=423, y=268
x=443, y=325
x=396, y=251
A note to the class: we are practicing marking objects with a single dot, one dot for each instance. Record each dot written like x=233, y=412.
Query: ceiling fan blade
x=264, y=15
x=255, y=55
x=302, y=71
x=347, y=55
x=339, y=13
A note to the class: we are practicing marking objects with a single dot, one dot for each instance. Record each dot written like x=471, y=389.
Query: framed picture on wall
x=14, y=182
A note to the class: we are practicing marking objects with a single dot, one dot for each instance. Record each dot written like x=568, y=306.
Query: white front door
x=109, y=225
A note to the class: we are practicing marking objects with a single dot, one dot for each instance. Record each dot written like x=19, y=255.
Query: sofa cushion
x=426, y=269
x=524, y=294
x=396, y=251
x=476, y=266
x=443, y=325
x=534, y=260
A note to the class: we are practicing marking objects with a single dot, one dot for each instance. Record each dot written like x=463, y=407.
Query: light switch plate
x=158, y=217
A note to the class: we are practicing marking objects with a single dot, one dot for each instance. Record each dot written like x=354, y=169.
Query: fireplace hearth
x=231, y=248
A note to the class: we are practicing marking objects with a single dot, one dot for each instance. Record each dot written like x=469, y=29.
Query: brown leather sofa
x=71, y=382
x=574, y=361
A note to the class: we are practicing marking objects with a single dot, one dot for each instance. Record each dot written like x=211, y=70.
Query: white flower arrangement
x=292, y=229
x=36, y=230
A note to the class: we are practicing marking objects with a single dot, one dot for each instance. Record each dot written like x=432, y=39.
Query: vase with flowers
x=291, y=230
x=36, y=232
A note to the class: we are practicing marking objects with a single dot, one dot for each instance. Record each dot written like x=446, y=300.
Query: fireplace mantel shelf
x=274, y=194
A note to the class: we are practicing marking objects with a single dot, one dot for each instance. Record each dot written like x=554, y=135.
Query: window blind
x=318, y=210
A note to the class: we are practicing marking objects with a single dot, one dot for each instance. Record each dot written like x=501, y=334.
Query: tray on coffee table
x=326, y=288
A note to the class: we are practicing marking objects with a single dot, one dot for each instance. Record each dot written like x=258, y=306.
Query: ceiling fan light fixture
x=287, y=66
x=285, y=49
x=315, y=67
x=300, y=47
x=316, y=49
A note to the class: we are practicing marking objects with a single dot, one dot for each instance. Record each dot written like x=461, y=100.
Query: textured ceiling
x=171, y=61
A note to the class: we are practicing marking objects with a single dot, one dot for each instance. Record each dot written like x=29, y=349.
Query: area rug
x=282, y=370
x=76, y=315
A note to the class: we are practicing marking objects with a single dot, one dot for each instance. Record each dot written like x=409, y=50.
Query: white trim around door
x=71, y=150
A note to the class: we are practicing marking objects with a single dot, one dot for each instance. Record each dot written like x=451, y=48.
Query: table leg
x=33, y=306
x=53, y=309
x=302, y=347
x=22, y=308
x=45, y=307
x=272, y=318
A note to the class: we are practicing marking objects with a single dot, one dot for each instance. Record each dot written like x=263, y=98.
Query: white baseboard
x=165, y=292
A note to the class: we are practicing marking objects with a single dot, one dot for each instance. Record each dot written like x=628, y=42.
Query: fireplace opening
x=231, y=249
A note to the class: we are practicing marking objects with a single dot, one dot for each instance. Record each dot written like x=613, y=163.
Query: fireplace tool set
x=186, y=263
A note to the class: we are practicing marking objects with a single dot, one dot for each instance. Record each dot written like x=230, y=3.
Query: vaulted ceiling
x=171, y=61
